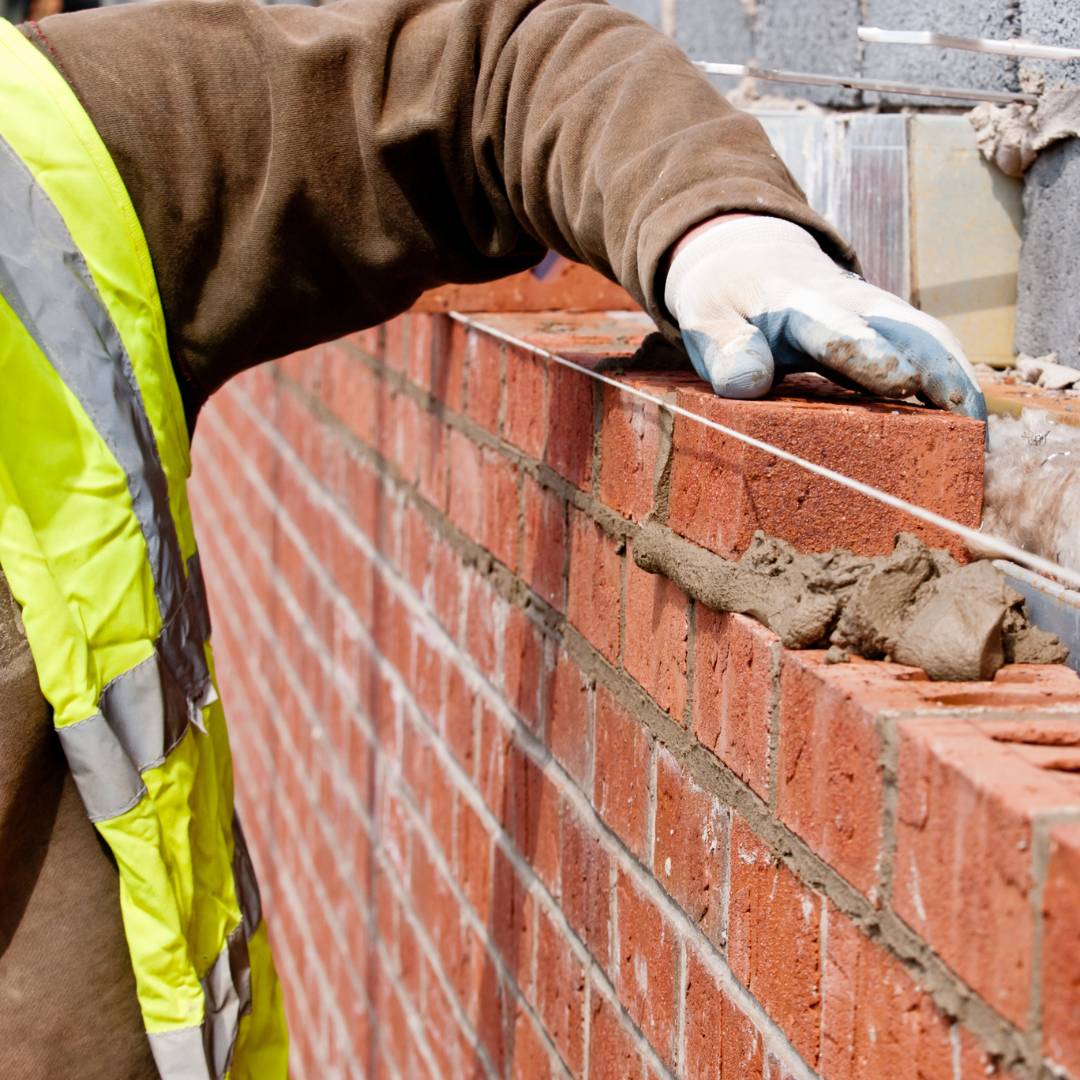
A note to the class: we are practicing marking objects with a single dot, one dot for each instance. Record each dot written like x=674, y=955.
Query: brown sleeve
x=304, y=172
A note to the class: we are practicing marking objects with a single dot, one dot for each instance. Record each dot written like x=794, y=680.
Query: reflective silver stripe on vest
x=45, y=280
x=205, y=1052
x=143, y=714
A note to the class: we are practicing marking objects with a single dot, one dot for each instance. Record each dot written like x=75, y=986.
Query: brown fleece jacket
x=305, y=172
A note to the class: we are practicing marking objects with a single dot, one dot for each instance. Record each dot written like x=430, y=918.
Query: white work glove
x=756, y=298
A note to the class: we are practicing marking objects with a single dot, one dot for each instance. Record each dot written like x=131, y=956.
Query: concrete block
x=649, y=10
x=718, y=30
x=821, y=40
x=965, y=237
x=1051, y=22
x=714, y=30
x=1048, y=317
x=952, y=67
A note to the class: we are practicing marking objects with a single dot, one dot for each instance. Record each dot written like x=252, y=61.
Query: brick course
x=520, y=810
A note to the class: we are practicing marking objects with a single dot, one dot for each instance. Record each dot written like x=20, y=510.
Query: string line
x=982, y=542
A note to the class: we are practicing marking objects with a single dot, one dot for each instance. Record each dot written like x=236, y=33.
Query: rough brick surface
x=1061, y=950
x=722, y=491
x=733, y=692
x=964, y=843
x=773, y=939
x=517, y=815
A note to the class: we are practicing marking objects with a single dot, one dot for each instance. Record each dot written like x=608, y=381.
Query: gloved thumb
x=733, y=355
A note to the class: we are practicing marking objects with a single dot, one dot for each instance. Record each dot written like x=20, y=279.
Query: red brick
x=523, y=661
x=543, y=541
x=586, y=885
x=466, y=486
x=492, y=769
x=629, y=447
x=500, y=508
x=570, y=435
x=690, y=845
x=656, y=631
x=733, y=692
x=830, y=785
x=1061, y=950
x=560, y=993
x=397, y=334
x=529, y=1056
x=569, y=717
x=350, y=392
x=621, y=772
x=928, y=457
x=446, y=586
x=876, y=1021
x=448, y=385
x=459, y=716
x=534, y=825
x=482, y=607
x=773, y=935
x=474, y=858
x=525, y=424
x=595, y=584
x=721, y=1043
x=963, y=872
x=560, y=284
x=646, y=976
x=484, y=380
x=512, y=921
x=613, y=1053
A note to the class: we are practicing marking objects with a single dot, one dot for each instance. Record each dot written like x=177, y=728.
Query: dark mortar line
x=691, y=664
x=1002, y=1039
x=664, y=457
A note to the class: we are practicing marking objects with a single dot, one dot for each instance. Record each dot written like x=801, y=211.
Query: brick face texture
x=521, y=810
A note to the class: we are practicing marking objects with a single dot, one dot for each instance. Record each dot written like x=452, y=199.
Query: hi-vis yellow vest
x=97, y=545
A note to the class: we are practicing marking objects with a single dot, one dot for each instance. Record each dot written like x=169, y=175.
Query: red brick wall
x=520, y=809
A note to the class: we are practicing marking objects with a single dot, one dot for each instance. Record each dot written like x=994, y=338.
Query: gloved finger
x=842, y=342
x=949, y=380
x=733, y=356
x=944, y=380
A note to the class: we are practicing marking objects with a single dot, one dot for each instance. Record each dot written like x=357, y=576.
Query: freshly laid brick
x=964, y=848
x=876, y=1021
x=720, y=1042
x=629, y=448
x=500, y=508
x=646, y=976
x=690, y=846
x=1061, y=950
x=525, y=424
x=484, y=380
x=733, y=692
x=595, y=584
x=570, y=419
x=657, y=627
x=722, y=490
x=621, y=772
x=773, y=938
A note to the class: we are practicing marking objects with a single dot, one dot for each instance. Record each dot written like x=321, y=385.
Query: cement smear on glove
x=915, y=606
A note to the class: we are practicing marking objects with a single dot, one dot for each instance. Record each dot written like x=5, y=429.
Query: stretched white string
x=883, y=86
x=982, y=542
x=1013, y=47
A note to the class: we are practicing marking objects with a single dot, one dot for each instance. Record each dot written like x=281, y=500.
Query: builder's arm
x=303, y=172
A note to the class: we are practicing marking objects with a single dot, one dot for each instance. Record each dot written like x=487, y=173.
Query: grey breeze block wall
x=819, y=36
